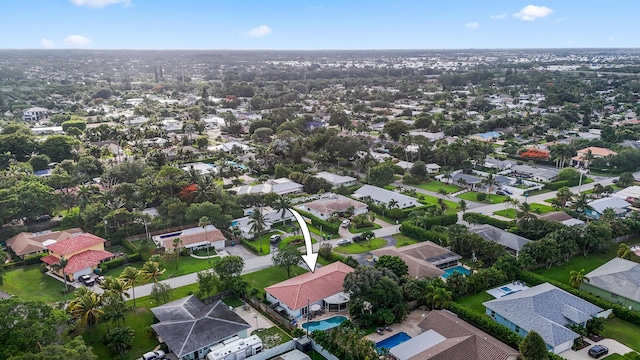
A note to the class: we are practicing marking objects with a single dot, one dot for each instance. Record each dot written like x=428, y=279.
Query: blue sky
x=317, y=24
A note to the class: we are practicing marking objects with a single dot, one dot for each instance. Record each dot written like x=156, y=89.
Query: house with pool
x=545, y=309
x=425, y=259
x=312, y=291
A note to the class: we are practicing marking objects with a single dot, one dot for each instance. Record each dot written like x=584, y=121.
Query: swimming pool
x=506, y=289
x=325, y=324
x=461, y=269
x=393, y=341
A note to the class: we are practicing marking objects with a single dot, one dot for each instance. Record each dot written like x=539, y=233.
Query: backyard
x=435, y=186
x=490, y=198
x=402, y=240
x=360, y=247
x=28, y=282
x=535, y=208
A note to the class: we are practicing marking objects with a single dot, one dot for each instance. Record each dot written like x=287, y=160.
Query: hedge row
x=327, y=227
x=620, y=311
x=112, y=264
x=477, y=218
x=129, y=246
x=34, y=259
x=486, y=324
x=558, y=184
x=252, y=246
x=418, y=233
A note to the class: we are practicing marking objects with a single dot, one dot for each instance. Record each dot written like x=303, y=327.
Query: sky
x=318, y=24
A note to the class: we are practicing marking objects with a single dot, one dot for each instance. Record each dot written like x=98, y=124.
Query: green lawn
x=263, y=242
x=27, y=282
x=474, y=302
x=186, y=265
x=452, y=207
x=623, y=331
x=269, y=276
x=588, y=263
x=491, y=198
x=273, y=336
x=317, y=231
x=360, y=247
x=436, y=185
x=536, y=208
x=353, y=230
x=402, y=240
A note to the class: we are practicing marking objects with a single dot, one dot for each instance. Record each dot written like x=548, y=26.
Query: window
x=517, y=329
x=614, y=296
x=493, y=313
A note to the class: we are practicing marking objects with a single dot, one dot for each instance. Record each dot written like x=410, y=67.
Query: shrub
x=477, y=218
x=420, y=234
x=481, y=196
x=252, y=246
x=34, y=259
x=486, y=324
x=112, y=264
x=329, y=227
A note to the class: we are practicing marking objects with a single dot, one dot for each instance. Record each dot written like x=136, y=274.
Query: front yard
x=186, y=265
x=435, y=186
x=360, y=247
x=28, y=282
x=623, y=331
x=490, y=199
x=535, y=208
x=452, y=207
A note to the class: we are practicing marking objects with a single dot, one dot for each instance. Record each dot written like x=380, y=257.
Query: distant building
x=35, y=114
x=338, y=204
x=25, y=243
x=512, y=243
x=487, y=136
x=617, y=281
x=596, y=152
x=384, y=196
x=336, y=180
x=596, y=207
x=193, y=238
x=281, y=186
x=271, y=217
x=424, y=260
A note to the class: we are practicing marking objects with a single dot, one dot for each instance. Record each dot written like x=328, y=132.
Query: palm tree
x=442, y=192
x=257, y=222
x=282, y=205
x=177, y=242
x=490, y=181
x=203, y=223
x=60, y=266
x=130, y=275
x=392, y=204
x=441, y=298
x=524, y=212
x=581, y=203
x=151, y=271
x=116, y=286
x=87, y=307
x=624, y=251
x=462, y=205
x=577, y=278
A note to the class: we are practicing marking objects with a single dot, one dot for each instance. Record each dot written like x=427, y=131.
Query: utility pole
x=308, y=299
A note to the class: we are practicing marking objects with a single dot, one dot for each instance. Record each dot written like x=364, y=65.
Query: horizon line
x=327, y=49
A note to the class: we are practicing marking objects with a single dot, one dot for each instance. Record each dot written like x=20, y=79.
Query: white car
x=153, y=355
x=346, y=223
x=344, y=242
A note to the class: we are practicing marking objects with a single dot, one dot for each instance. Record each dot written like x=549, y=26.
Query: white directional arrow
x=310, y=258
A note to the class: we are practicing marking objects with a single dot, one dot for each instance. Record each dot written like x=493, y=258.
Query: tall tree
x=533, y=347
x=257, y=222
x=151, y=270
x=287, y=258
x=393, y=263
x=130, y=275
x=576, y=278
x=283, y=204
x=203, y=223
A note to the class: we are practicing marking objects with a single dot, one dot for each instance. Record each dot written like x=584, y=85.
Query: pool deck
x=324, y=316
x=514, y=286
x=409, y=326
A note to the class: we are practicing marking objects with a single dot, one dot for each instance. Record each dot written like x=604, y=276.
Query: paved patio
x=507, y=289
x=409, y=326
x=253, y=318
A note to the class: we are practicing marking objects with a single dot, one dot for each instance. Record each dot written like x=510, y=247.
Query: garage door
x=82, y=272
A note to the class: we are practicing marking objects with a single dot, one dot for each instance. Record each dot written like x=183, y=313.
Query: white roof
x=382, y=195
x=334, y=179
x=600, y=205
x=630, y=192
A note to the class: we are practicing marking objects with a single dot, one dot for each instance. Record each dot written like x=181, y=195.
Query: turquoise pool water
x=325, y=324
x=461, y=269
x=393, y=341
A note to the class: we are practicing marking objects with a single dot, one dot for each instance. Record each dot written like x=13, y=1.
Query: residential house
x=464, y=179
x=596, y=152
x=190, y=328
x=271, y=217
x=281, y=186
x=334, y=204
x=172, y=125
x=493, y=163
x=562, y=218
x=446, y=337
x=200, y=167
x=433, y=168
x=48, y=130
x=630, y=194
x=596, y=207
x=336, y=180
x=618, y=281
x=383, y=196
x=487, y=136
x=429, y=135
x=546, y=310
x=323, y=287
x=232, y=147
x=35, y=114
x=512, y=243
x=193, y=238
x=424, y=260
x=26, y=244
x=82, y=251
x=405, y=165
x=533, y=173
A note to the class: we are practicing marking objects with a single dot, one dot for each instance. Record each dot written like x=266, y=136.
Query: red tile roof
x=26, y=243
x=324, y=282
x=190, y=239
x=75, y=244
x=83, y=260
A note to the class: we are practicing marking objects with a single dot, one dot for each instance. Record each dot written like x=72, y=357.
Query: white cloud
x=46, y=43
x=101, y=3
x=499, y=16
x=259, y=31
x=472, y=25
x=77, y=40
x=532, y=12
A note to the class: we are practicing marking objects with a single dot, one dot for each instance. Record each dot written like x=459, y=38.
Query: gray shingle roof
x=546, y=310
x=600, y=205
x=618, y=276
x=507, y=239
x=187, y=325
x=384, y=195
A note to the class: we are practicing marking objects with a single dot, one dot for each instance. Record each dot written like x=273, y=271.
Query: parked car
x=100, y=279
x=346, y=223
x=598, y=350
x=344, y=241
x=356, y=238
x=87, y=280
x=153, y=355
x=43, y=218
x=506, y=191
x=615, y=181
x=501, y=193
x=275, y=238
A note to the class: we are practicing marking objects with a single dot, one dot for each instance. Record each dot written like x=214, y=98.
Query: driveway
x=614, y=347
